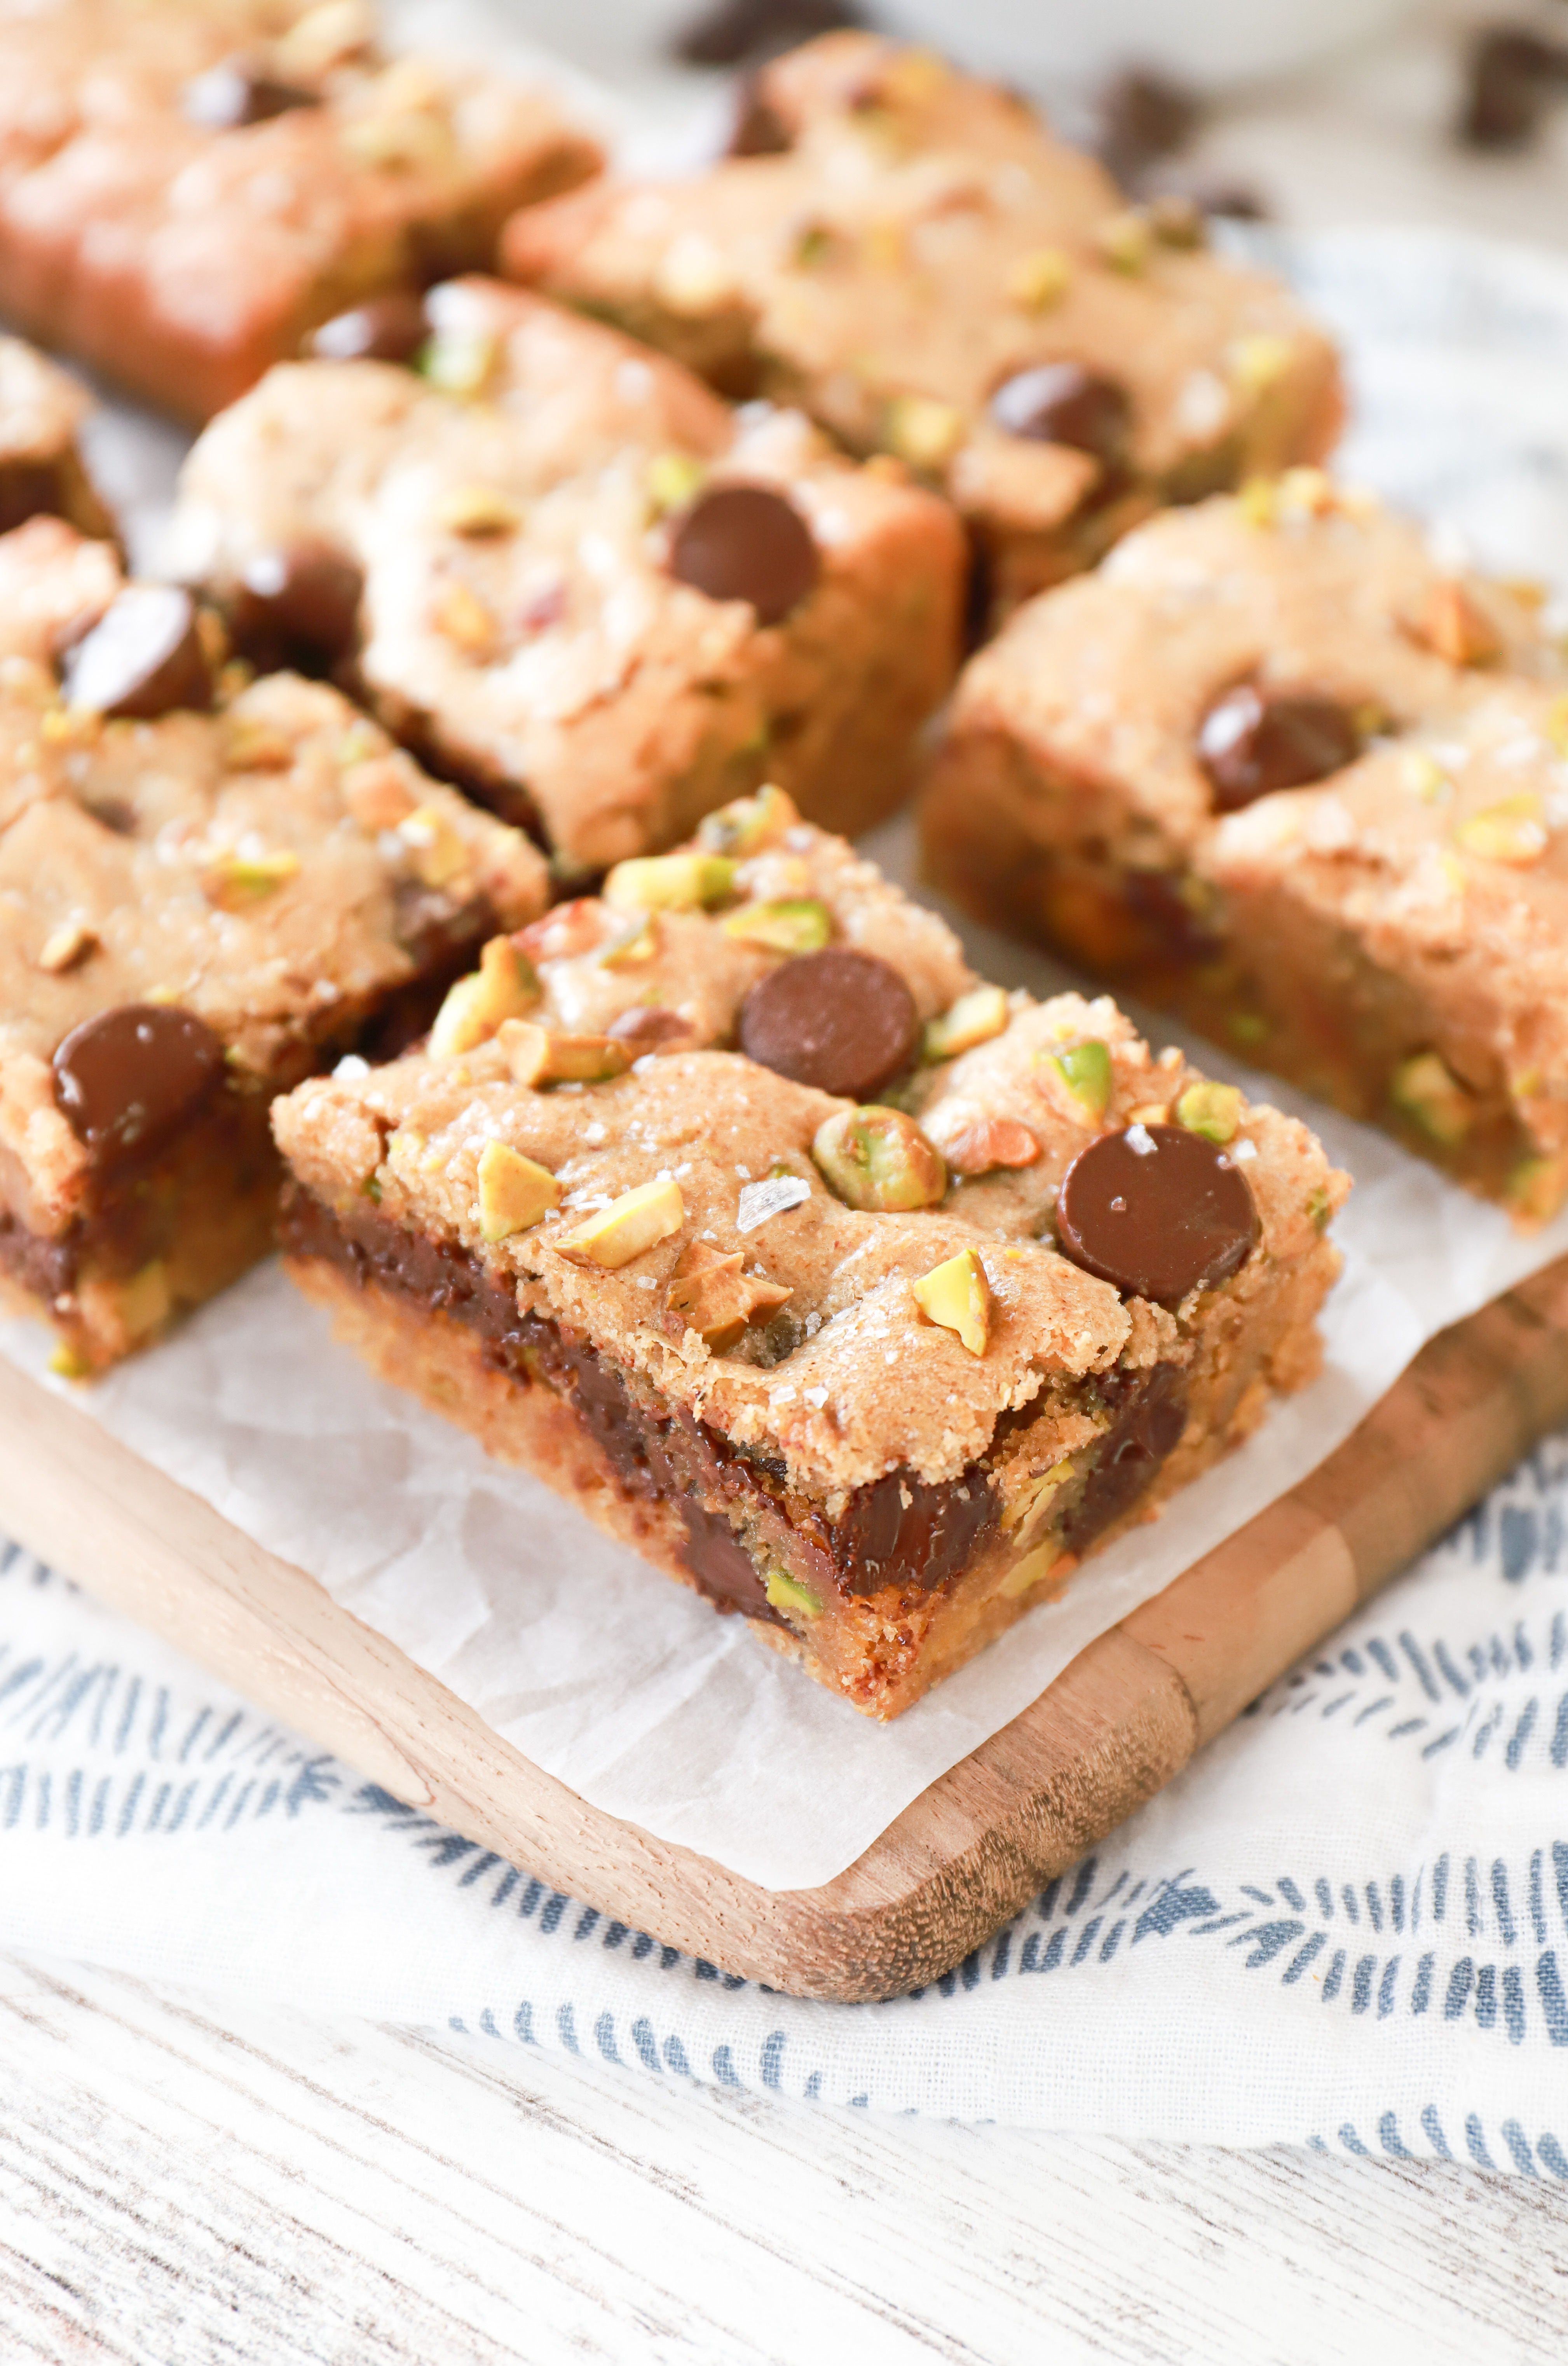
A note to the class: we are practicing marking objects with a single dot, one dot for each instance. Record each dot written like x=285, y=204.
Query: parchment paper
x=623, y=1686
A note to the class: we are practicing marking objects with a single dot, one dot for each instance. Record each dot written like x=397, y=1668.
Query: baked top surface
x=925, y=236
x=41, y=407
x=848, y=1378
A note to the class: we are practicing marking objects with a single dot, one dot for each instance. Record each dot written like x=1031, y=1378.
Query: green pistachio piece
x=789, y=924
x=974, y=1018
x=1086, y=1072
x=878, y=1159
x=749, y=824
x=1212, y=1111
x=1432, y=1098
x=786, y=1593
x=670, y=883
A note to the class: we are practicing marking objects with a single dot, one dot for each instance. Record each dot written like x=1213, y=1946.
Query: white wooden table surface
x=180, y=2183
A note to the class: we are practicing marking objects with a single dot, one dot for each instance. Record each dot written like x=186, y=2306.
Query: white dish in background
x=1214, y=43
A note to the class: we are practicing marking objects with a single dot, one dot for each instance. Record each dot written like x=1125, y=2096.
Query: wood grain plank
x=1115, y=1726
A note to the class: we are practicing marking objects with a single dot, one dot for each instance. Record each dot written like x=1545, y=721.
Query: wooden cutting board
x=1126, y=1717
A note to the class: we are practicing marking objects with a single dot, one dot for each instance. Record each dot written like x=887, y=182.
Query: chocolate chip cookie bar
x=909, y=256
x=185, y=190
x=861, y=1296
x=570, y=579
x=41, y=469
x=1284, y=767
x=209, y=885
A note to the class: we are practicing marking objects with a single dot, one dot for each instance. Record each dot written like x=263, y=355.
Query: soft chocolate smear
x=736, y=30
x=141, y=659
x=842, y=1020
x=27, y=488
x=744, y=542
x=1062, y=402
x=1157, y=1221
x=389, y=328
x=227, y=96
x=127, y=1079
x=645, y=1028
x=1254, y=741
x=1149, y=1416
x=298, y=606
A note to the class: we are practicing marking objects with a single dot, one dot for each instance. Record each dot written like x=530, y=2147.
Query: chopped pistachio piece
x=637, y=1221
x=1085, y=1070
x=514, y=1191
x=1177, y=222
x=924, y=433
x=251, y=744
x=1212, y=1111
x=1259, y=501
x=1454, y=628
x=1556, y=726
x=788, y=924
x=1536, y=1189
x=637, y=942
x=990, y=1143
x=878, y=1159
x=460, y=618
x=502, y=988
x=534, y=1055
x=1040, y=279
x=749, y=824
x=786, y=1593
x=478, y=511
x=672, y=478
x=459, y=361
x=714, y=1295
x=1511, y=831
x=670, y=883
x=234, y=881
x=69, y=1363
x=957, y=1295
x=1123, y=241
x=974, y=1018
x=437, y=847
x=1034, y=1565
x=143, y=1302
x=1421, y=773
x=1029, y=1499
x=1256, y=362
x=1432, y=1098
x=65, y=946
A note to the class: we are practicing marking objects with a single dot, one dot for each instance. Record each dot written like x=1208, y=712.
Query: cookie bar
x=209, y=886
x=1282, y=766
x=909, y=256
x=570, y=579
x=41, y=469
x=854, y=1292
x=187, y=190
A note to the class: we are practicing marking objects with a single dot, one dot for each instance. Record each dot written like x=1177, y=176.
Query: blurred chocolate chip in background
x=1141, y=117
x=229, y=96
x=1513, y=76
x=738, y=32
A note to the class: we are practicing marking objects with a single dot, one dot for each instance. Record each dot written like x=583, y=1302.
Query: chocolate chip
x=1513, y=76
x=298, y=606
x=1149, y=1416
x=236, y=93
x=1143, y=115
x=144, y=656
x=389, y=328
x=744, y=542
x=28, y=487
x=1062, y=402
x=1253, y=741
x=842, y=1020
x=1159, y=1221
x=646, y=1029
x=904, y=1530
x=129, y=1078
x=760, y=129
x=734, y=31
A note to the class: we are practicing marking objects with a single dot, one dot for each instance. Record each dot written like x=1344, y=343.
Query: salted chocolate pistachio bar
x=209, y=886
x=568, y=577
x=188, y=186
x=1283, y=765
x=861, y=1296
x=909, y=256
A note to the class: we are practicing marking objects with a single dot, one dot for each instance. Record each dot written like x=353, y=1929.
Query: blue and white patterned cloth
x=1345, y=1925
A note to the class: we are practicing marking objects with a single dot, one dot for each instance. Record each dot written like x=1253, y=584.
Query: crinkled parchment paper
x=632, y=1690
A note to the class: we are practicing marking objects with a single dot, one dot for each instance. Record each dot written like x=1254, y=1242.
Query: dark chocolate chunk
x=1513, y=76
x=908, y=1531
x=645, y=1028
x=735, y=30
x=1252, y=741
x=760, y=129
x=721, y=1566
x=1156, y=1211
x=227, y=96
x=1143, y=115
x=1062, y=402
x=130, y=1078
x=842, y=1020
x=389, y=328
x=298, y=606
x=143, y=658
x=27, y=488
x=1149, y=1412
x=745, y=542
